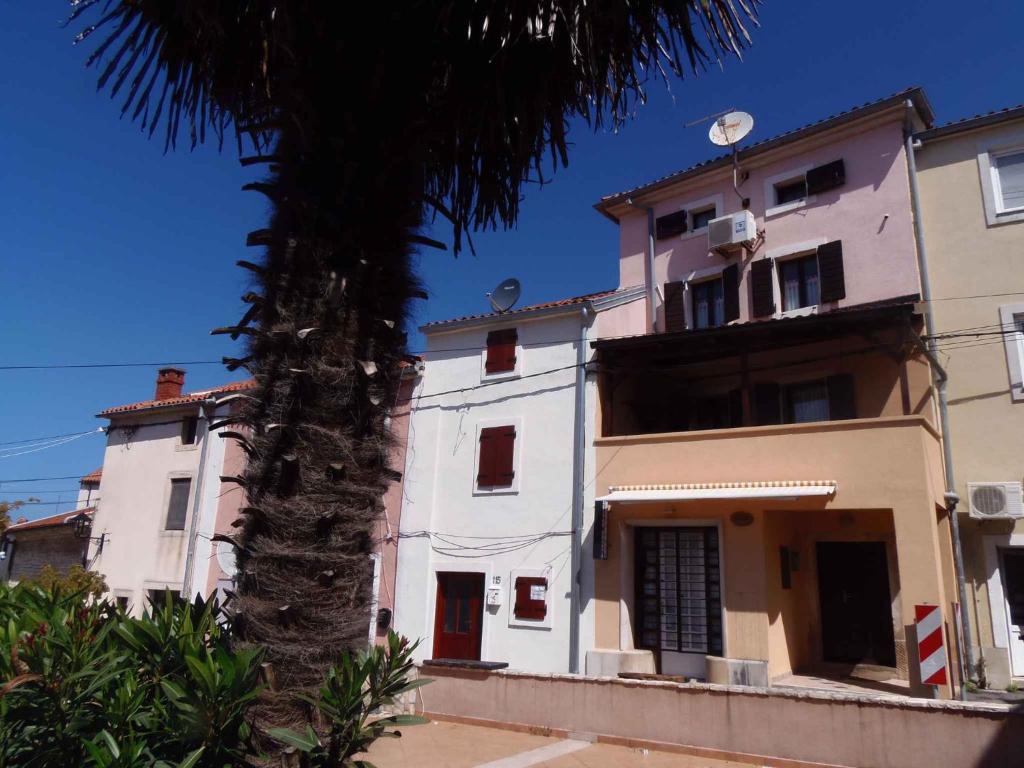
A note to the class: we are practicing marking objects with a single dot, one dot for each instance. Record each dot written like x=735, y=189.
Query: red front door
x=458, y=615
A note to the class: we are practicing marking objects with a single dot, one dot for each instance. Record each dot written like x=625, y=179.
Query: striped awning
x=768, y=489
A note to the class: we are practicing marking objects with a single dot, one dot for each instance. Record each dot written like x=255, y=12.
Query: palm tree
x=371, y=118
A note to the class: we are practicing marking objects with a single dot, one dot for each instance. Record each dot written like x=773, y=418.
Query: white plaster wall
x=440, y=484
x=205, y=556
x=138, y=554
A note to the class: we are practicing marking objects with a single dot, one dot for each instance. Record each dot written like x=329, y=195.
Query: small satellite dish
x=504, y=297
x=730, y=128
x=226, y=558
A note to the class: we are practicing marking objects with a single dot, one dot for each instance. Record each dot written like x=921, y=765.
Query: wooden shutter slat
x=675, y=309
x=501, y=350
x=767, y=405
x=731, y=292
x=842, y=402
x=504, y=458
x=485, y=477
x=525, y=607
x=670, y=225
x=831, y=276
x=761, y=291
x=826, y=177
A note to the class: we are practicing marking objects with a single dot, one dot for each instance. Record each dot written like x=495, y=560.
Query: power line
x=59, y=366
x=35, y=448
x=40, y=479
x=46, y=437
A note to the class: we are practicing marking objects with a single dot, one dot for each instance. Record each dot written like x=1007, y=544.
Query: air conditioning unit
x=995, y=501
x=731, y=232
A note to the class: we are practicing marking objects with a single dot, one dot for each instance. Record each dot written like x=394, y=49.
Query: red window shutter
x=504, y=460
x=501, y=350
x=488, y=451
x=526, y=607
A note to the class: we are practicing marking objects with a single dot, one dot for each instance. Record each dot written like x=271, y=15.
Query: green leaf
x=306, y=742
x=414, y=684
x=192, y=759
x=111, y=743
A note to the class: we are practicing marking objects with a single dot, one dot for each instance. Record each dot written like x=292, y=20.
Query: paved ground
x=450, y=745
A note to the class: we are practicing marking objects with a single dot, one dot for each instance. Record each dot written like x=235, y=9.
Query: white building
x=162, y=494
x=498, y=475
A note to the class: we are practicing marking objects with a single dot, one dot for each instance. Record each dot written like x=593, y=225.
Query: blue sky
x=116, y=252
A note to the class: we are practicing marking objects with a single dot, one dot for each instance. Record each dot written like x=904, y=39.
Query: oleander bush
x=84, y=684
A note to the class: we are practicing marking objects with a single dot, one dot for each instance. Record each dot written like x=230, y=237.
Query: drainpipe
x=578, y=456
x=652, y=309
x=940, y=377
x=206, y=411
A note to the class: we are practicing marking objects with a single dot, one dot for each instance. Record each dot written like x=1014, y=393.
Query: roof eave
x=971, y=124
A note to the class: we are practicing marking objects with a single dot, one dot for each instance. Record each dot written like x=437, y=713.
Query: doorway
x=458, y=616
x=856, y=608
x=1013, y=591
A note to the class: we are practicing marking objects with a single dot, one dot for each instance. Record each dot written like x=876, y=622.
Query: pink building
x=770, y=484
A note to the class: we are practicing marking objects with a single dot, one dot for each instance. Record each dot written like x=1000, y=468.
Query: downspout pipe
x=578, y=463
x=652, y=308
x=206, y=410
x=940, y=378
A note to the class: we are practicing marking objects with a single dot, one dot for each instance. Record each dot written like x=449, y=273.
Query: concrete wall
x=967, y=257
x=749, y=725
x=31, y=550
x=441, y=495
x=870, y=213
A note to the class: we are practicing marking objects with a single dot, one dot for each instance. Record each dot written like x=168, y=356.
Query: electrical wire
x=52, y=444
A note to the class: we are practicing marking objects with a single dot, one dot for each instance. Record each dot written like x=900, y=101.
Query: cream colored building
x=971, y=180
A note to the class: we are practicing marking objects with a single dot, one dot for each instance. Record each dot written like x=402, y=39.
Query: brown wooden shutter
x=486, y=470
x=731, y=292
x=767, y=405
x=501, y=350
x=831, y=277
x=826, y=177
x=525, y=606
x=670, y=225
x=675, y=310
x=761, y=291
x=841, y=397
x=504, y=458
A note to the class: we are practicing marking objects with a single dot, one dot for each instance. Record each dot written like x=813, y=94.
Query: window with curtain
x=708, y=304
x=799, y=282
x=1008, y=178
x=807, y=402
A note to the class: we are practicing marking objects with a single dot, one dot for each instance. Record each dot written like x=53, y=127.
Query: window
x=699, y=219
x=791, y=191
x=531, y=598
x=158, y=598
x=708, y=304
x=1008, y=181
x=501, y=351
x=807, y=402
x=799, y=282
x=177, y=507
x=497, y=457
x=122, y=603
x=189, y=427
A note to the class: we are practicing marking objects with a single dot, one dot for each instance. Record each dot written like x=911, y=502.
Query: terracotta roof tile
x=192, y=397
x=50, y=522
x=92, y=477
x=531, y=308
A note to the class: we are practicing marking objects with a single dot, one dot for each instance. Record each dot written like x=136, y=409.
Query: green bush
x=83, y=684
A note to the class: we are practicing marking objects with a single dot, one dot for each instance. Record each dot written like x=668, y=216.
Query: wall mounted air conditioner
x=731, y=232
x=995, y=501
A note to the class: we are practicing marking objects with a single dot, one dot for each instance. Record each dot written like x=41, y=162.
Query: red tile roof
x=93, y=477
x=970, y=123
x=521, y=310
x=192, y=397
x=52, y=521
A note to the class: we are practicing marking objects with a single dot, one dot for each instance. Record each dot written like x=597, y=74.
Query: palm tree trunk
x=333, y=293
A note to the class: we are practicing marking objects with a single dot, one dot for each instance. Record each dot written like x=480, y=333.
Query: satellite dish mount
x=505, y=295
x=728, y=130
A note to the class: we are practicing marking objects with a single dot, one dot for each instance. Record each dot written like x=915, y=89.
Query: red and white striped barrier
x=930, y=649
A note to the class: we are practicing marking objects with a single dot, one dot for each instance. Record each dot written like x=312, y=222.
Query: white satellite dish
x=731, y=128
x=226, y=558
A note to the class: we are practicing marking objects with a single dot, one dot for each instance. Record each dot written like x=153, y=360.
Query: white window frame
x=517, y=371
x=771, y=208
x=543, y=573
x=1013, y=343
x=787, y=253
x=991, y=194
x=517, y=451
x=718, y=201
x=694, y=277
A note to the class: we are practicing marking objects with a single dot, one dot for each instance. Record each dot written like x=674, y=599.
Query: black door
x=856, y=612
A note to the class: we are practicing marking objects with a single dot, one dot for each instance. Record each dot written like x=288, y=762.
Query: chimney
x=169, y=382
